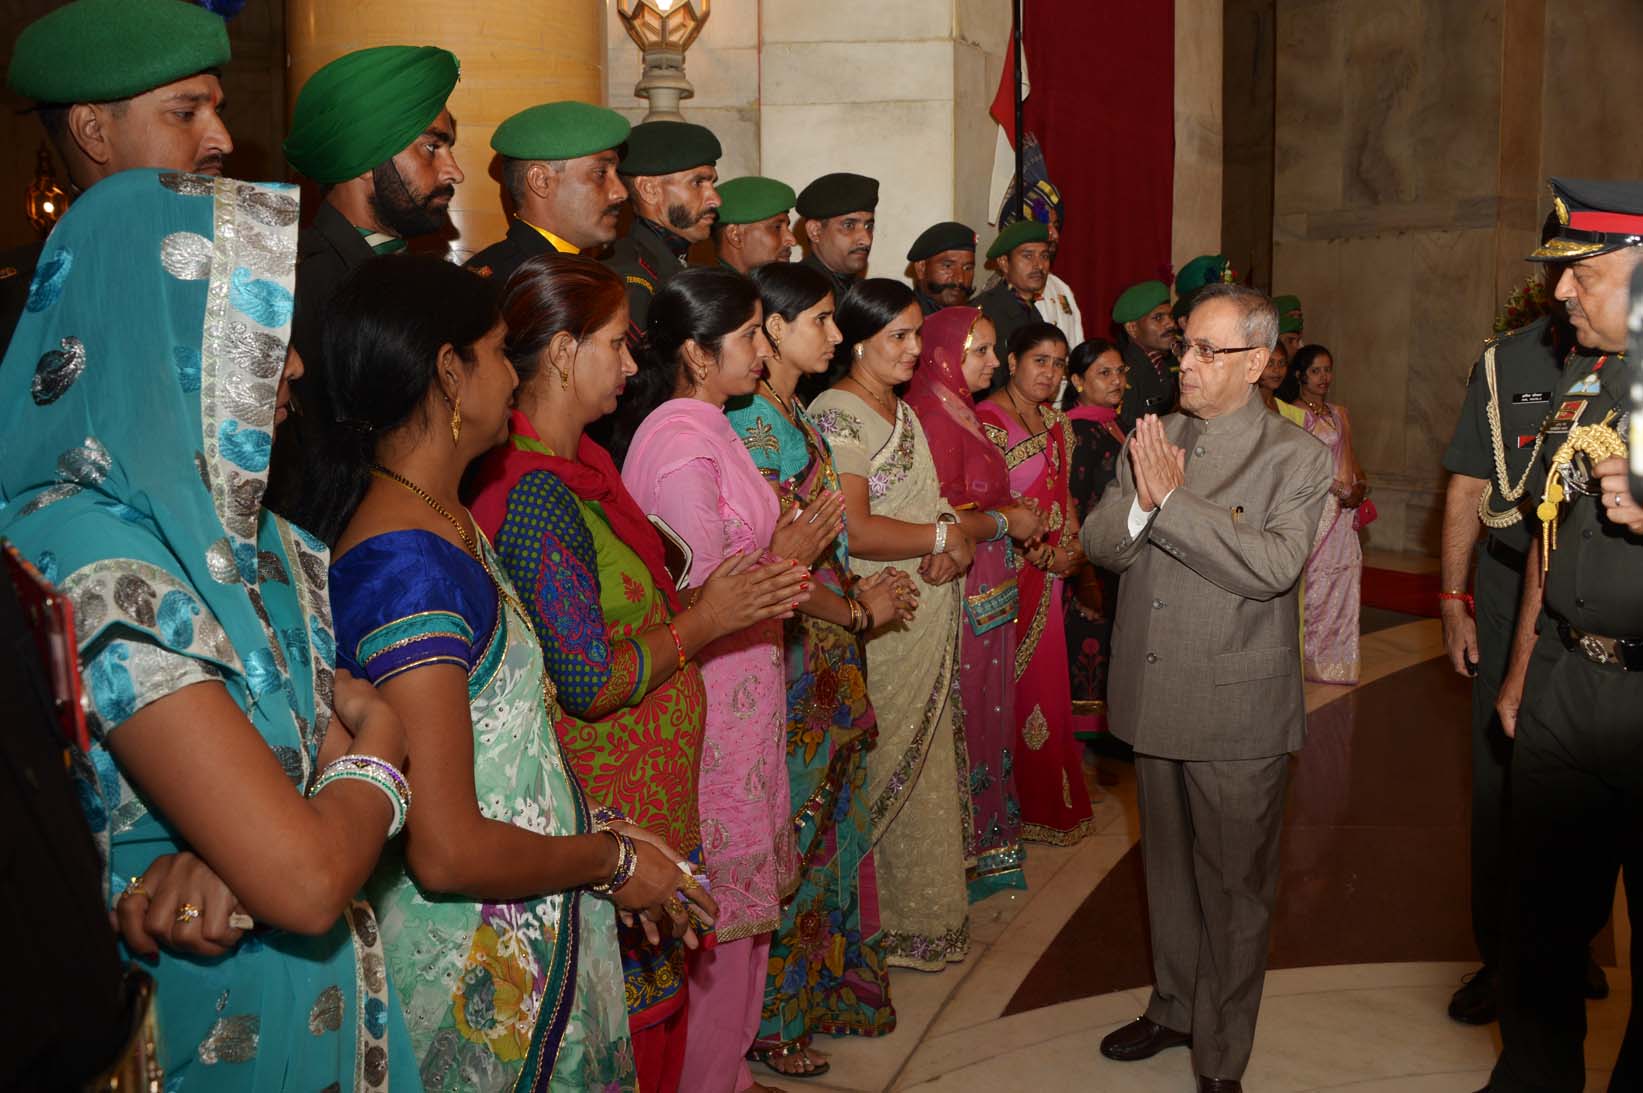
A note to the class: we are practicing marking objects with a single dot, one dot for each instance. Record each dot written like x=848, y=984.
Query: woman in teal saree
x=137, y=406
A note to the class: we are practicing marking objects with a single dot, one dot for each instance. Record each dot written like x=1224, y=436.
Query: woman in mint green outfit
x=138, y=400
x=497, y=909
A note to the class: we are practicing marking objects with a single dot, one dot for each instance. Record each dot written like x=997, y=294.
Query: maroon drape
x=1103, y=107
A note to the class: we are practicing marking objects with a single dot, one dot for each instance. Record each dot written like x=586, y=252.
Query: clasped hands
x=1159, y=466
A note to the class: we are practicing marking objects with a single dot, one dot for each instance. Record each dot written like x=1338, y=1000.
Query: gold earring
x=456, y=421
x=563, y=374
x=859, y=350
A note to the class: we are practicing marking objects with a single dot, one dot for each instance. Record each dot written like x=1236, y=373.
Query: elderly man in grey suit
x=1210, y=521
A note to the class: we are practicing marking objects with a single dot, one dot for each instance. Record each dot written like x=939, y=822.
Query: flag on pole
x=1003, y=112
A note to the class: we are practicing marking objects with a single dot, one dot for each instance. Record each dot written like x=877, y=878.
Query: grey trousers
x=1209, y=842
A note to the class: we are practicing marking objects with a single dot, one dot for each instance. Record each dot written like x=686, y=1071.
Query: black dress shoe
x=1476, y=1002
x=1141, y=1039
x=1219, y=1085
x=1597, y=984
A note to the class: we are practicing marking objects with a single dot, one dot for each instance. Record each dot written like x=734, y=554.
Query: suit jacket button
x=1158, y=605
x=1198, y=450
x=1152, y=658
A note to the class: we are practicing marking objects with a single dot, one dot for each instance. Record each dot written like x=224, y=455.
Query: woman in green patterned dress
x=504, y=956
x=827, y=973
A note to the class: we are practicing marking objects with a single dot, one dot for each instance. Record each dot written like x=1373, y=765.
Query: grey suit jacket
x=1204, y=659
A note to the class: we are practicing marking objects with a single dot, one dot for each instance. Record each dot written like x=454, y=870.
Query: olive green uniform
x=1152, y=387
x=646, y=259
x=1577, y=768
x=1513, y=383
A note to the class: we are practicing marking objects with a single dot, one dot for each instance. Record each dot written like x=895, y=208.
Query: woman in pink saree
x=1334, y=573
x=1037, y=442
x=958, y=358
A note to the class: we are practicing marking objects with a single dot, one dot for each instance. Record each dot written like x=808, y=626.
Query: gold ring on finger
x=134, y=887
x=675, y=906
x=187, y=913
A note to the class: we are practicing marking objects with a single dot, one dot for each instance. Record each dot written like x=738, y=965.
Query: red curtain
x=1102, y=105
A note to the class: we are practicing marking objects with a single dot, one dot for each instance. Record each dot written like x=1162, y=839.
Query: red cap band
x=1628, y=223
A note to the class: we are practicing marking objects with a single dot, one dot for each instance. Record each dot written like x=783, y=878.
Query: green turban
x=105, y=50
x=366, y=107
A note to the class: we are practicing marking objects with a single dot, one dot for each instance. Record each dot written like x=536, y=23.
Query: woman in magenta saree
x=1037, y=442
x=958, y=358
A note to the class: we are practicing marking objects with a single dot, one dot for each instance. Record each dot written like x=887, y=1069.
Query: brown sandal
x=812, y=1068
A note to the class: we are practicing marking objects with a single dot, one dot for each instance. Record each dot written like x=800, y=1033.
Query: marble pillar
x=514, y=53
x=1199, y=130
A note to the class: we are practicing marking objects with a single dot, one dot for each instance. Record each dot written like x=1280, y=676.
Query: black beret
x=668, y=147
x=837, y=194
x=946, y=236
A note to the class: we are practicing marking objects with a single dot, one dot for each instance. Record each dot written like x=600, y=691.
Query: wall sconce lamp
x=45, y=202
x=663, y=30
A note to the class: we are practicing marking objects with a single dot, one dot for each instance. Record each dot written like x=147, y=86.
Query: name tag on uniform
x=1531, y=398
x=1566, y=416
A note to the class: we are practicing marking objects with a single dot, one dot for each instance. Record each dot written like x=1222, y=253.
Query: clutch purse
x=992, y=607
x=676, y=553
x=1364, y=514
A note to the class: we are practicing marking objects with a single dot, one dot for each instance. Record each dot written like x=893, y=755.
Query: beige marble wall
x=1390, y=198
x=896, y=90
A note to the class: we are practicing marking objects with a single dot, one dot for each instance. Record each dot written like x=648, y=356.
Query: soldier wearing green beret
x=1206, y=269
x=559, y=163
x=1142, y=312
x=1022, y=256
x=373, y=130
x=839, y=220
x=755, y=225
x=669, y=170
x=1289, y=323
x=943, y=258
x=119, y=84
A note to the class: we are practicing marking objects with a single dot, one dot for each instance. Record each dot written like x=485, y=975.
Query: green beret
x=946, y=236
x=751, y=199
x=366, y=107
x=837, y=194
x=560, y=130
x=103, y=50
x=1289, y=313
x=1138, y=301
x=1022, y=231
x=1203, y=270
x=668, y=147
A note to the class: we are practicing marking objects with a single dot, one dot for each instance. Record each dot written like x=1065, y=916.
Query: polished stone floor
x=1370, y=938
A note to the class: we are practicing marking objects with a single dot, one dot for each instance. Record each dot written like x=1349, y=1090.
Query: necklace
x=781, y=402
x=887, y=405
x=1321, y=408
x=1021, y=415
x=427, y=498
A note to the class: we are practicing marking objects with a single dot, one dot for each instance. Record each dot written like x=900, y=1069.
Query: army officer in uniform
x=1496, y=442
x=1573, y=692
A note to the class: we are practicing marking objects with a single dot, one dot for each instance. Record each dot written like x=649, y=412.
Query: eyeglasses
x=1207, y=353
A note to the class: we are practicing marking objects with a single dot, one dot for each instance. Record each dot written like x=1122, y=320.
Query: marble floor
x=1370, y=938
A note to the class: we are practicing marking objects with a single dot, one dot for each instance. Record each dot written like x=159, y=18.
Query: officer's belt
x=1626, y=653
x=1506, y=554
